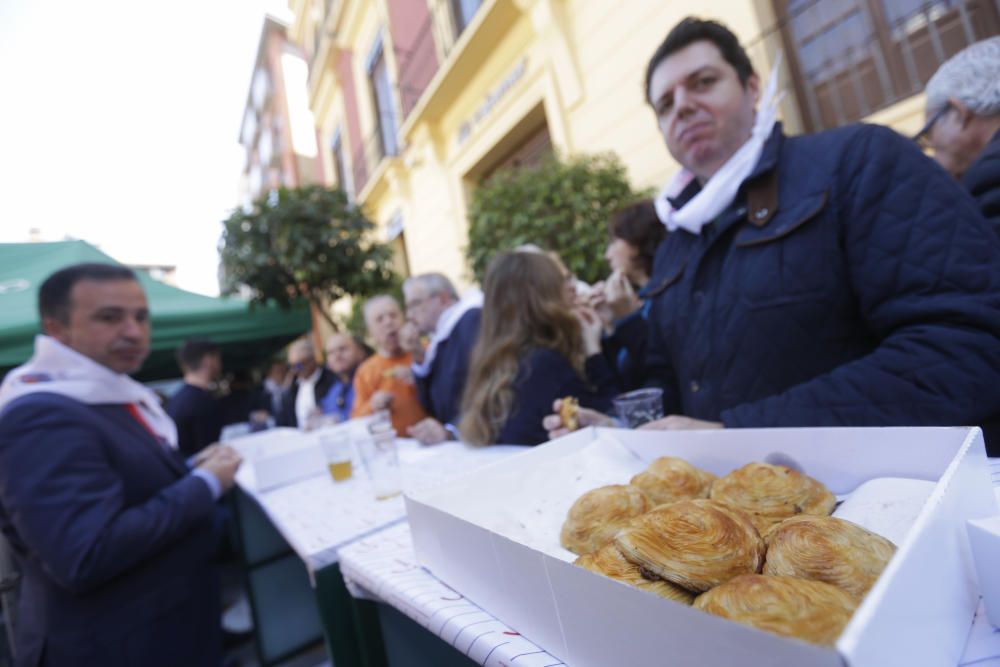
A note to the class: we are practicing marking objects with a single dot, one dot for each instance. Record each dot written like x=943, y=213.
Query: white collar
x=57, y=369
x=446, y=324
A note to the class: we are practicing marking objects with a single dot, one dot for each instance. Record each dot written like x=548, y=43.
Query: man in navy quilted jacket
x=834, y=279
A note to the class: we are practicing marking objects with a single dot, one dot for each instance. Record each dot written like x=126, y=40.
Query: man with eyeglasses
x=311, y=384
x=963, y=126
x=433, y=306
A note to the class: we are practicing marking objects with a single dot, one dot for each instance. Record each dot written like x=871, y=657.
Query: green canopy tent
x=248, y=335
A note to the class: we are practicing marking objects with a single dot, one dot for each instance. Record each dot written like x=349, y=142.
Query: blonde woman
x=533, y=348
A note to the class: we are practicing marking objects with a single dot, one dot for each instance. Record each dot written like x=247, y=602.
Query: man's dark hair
x=54, y=294
x=193, y=352
x=638, y=225
x=692, y=30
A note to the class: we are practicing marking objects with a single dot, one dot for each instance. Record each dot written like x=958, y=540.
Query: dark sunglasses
x=923, y=136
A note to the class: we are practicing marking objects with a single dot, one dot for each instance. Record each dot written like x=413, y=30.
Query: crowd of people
x=836, y=279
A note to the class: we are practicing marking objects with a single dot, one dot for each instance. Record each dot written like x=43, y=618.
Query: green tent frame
x=248, y=334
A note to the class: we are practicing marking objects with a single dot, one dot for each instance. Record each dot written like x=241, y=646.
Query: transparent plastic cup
x=638, y=407
x=381, y=459
x=337, y=450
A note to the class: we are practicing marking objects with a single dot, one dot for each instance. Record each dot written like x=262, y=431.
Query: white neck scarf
x=720, y=190
x=57, y=369
x=446, y=324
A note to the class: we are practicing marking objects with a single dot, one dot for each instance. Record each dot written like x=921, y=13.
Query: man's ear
x=55, y=328
x=753, y=86
x=964, y=114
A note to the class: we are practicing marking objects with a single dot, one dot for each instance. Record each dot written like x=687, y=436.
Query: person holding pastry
x=534, y=348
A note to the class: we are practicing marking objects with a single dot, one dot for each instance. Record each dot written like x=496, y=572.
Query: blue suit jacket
x=114, y=538
x=441, y=391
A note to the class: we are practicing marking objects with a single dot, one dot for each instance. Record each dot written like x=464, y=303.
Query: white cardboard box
x=918, y=613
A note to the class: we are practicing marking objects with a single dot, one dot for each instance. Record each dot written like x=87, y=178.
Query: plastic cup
x=381, y=422
x=638, y=407
x=337, y=450
x=381, y=458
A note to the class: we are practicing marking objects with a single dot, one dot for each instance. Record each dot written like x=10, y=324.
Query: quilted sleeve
x=925, y=271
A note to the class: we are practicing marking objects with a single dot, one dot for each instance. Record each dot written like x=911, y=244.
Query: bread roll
x=812, y=611
x=770, y=494
x=669, y=479
x=827, y=549
x=696, y=544
x=609, y=561
x=597, y=515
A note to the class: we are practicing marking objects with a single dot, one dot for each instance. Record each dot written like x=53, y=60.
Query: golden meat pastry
x=812, y=611
x=770, y=494
x=569, y=410
x=827, y=549
x=696, y=544
x=609, y=561
x=597, y=515
x=668, y=479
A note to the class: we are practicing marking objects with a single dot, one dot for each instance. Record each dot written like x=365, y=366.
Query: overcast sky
x=119, y=123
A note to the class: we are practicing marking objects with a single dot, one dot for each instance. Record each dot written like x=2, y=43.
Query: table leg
x=352, y=629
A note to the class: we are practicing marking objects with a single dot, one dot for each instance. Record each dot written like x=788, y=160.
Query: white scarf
x=58, y=369
x=720, y=190
x=446, y=324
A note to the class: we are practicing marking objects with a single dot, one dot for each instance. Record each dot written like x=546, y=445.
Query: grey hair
x=972, y=76
x=434, y=283
x=370, y=303
x=302, y=344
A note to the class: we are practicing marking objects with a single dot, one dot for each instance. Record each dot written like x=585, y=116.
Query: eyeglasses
x=923, y=136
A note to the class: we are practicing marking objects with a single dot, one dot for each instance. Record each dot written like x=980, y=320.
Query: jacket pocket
x=798, y=214
x=796, y=258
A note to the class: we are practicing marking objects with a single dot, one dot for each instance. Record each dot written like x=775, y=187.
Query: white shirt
x=305, y=400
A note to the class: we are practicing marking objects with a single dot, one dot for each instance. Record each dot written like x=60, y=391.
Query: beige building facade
x=417, y=101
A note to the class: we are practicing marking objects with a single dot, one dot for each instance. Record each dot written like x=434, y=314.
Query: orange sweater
x=378, y=373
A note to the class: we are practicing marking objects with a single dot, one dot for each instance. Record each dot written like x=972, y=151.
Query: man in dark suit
x=312, y=381
x=194, y=409
x=113, y=533
x=433, y=306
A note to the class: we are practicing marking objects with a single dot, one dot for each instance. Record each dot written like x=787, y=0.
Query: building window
x=385, y=106
x=340, y=166
x=462, y=12
x=850, y=58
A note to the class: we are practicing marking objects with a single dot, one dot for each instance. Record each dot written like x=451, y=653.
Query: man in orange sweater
x=385, y=381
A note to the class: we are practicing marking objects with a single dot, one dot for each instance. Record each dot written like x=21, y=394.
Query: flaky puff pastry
x=609, y=561
x=812, y=611
x=597, y=515
x=770, y=494
x=827, y=549
x=696, y=544
x=669, y=479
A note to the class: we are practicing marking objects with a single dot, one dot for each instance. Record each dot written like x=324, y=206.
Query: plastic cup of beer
x=381, y=458
x=337, y=450
x=635, y=408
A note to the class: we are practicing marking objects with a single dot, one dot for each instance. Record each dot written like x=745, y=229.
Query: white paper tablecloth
x=383, y=566
x=318, y=516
